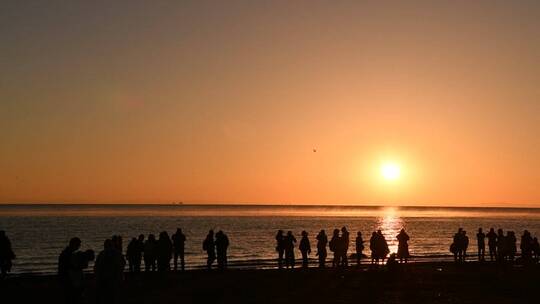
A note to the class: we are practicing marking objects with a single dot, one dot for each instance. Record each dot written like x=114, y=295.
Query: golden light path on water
x=390, y=224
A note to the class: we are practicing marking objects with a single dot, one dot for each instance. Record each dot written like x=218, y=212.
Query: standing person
x=403, y=246
x=526, y=246
x=465, y=244
x=322, y=239
x=210, y=248
x=139, y=253
x=492, y=244
x=359, y=247
x=457, y=245
x=335, y=246
x=164, y=252
x=71, y=263
x=150, y=253
x=132, y=254
x=344, y=247
x=501, y=246
x=382, y=245
x=179, y=240
x=511, y=244
x=535, y=249
x=6, y=255
x=280, y=247
x=290, y=240
x=305, y=248
x=480, y=238
x=222, y=243
x=109, y=270
x=373, y=246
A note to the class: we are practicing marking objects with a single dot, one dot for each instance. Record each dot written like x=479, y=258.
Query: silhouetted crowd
x=216, y=247
x=110, y=262
x=502, y=248
x=157, y=254
x=339, y=246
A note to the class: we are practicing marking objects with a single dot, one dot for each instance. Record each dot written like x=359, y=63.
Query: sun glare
x=390, y=171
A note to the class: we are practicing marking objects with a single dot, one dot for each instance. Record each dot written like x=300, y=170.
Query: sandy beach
x=414, y=283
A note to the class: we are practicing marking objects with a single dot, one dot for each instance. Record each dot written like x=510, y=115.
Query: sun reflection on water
x=390, y=224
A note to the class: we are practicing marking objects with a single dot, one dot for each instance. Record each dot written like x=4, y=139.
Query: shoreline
x=271, y=264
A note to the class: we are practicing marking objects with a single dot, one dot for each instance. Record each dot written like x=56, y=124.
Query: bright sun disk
x=390, y=171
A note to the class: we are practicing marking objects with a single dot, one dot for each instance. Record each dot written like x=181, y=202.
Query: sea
x=40, y=232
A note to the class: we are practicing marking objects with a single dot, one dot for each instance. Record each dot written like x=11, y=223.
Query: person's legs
x=182, y=261
x=280, y=258
x=483, y=253
x=209, y=262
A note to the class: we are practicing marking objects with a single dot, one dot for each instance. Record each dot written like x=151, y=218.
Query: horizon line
x=249, y=204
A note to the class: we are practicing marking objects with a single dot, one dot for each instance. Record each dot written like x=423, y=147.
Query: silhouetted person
x=109, y=268
x=179, y=240
x=280, y=247
x=403, y=246
x=140, y=251
x=359, y=247
x=150, y=252
x=382, y=246
x=535, y=249
x=480, y=239
x=132, y=254
x=6, y=255
x=305, y=249
x=492, y=244
x=164, y=252
x=335, y=247
x=373, y=247
x=501, y=246
x=71, y=263
x=222, y=243
x=526, y=246
x=322, y=240
x=457, y=246
x=290, y=240
x=465, y=246
x=210, y=248
x=511, y=245
x=344, y=247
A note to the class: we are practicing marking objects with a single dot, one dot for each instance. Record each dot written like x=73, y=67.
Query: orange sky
x=223, y=101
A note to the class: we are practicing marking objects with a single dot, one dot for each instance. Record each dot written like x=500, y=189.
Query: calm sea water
x=40, y=232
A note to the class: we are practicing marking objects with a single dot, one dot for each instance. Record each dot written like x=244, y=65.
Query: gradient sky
x=224, y=101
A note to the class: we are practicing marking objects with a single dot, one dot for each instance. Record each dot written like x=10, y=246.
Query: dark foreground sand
x=415, y=283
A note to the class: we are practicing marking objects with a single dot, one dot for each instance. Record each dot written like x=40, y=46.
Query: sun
x=390, y=171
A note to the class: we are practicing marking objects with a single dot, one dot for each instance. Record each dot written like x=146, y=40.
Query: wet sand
x=414, y=283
